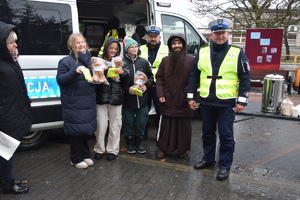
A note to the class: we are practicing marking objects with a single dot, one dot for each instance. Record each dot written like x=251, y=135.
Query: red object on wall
x=263, y=48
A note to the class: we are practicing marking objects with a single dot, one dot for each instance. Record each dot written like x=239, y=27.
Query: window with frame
x=172, y=24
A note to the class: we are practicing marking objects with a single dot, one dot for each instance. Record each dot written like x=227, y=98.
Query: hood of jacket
x=5, y=29
x=107, y=43
x=178, y=35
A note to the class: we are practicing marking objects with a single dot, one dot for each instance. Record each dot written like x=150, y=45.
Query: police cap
x=153, y=30
x=219, y=25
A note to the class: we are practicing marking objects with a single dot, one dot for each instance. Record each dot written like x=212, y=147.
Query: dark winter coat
x=141, y=64
x=78, y=97
x=113, y=93
x=15, y=116
x=174, y=89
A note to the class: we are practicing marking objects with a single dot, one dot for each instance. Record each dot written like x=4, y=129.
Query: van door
x=173, y=17
x=44, y=27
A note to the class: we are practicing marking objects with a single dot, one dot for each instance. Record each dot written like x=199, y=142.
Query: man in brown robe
x=172, y=79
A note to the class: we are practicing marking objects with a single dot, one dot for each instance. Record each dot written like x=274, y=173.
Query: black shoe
x=140, y=149
x=111, y=156
x=130, y=149
x=144, y=138
x=129, y=144
x=98, y=156
x=223, y=174
x=9, y=187
x=17, y=182
x=137, y=144
x=202, y=165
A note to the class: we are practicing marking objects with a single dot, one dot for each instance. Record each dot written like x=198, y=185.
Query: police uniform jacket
x=218, y=53
x=15, y=116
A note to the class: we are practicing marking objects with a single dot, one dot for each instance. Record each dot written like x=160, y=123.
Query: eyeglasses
x=133, y=47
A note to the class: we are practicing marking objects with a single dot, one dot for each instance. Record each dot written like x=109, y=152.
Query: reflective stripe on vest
x=114, y=34
x=162, y=52
x=226, y=88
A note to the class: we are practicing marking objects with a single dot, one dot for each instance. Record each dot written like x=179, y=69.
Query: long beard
x=175, y=63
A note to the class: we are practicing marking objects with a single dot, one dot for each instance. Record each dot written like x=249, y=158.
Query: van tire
x=34, y=140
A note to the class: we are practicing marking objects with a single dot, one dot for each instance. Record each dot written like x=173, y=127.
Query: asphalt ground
x=266, y=166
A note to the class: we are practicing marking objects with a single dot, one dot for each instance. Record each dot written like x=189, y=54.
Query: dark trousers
x=134, y=120
x=152, y=98
x=221, y=118
x=6, y=168
x=79, y=149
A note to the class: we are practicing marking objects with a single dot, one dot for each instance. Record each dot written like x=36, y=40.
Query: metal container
x=272, y=93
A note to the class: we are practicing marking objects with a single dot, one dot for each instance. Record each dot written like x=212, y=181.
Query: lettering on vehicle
x=42, y=87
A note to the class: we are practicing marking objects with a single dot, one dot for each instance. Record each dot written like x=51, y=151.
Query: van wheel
x=33, y=140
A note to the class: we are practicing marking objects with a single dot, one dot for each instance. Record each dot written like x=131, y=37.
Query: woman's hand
x=80, y=69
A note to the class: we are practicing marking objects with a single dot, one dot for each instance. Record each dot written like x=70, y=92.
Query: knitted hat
x=128, y=41
x=12, y=37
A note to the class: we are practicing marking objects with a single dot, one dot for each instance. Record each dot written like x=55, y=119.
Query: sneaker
x=130, y=149
x=89, y=161
x=81, y=165
x=140, y=149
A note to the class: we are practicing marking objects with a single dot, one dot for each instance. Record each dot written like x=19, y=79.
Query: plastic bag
x=139, y=79
x=286, y=107
x=98, y=66
x=116, y=64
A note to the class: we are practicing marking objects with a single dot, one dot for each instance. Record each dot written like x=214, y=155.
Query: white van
x=45, y=26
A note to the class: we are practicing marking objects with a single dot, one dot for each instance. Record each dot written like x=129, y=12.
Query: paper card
x=8, y=145
x=265, y=42
x=87, y=74
x=111, y=72
x=255, y=35
x=137, y=91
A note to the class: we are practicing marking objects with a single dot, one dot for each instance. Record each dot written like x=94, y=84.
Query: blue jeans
x=6, y=168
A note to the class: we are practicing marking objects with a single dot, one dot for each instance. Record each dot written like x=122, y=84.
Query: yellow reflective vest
x=227, y=81
x=114, y=34
x=162, y=52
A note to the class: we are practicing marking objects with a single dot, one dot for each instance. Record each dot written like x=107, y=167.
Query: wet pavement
x=266, y=166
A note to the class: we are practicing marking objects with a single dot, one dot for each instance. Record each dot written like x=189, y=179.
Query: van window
x=44, y=27
x=173, y=25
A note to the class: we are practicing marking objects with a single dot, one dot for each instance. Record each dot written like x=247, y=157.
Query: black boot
x=137, y=144
x=17, y=182
x=10, y=187
x=129, y=143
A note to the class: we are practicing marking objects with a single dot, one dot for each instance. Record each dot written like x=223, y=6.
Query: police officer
x=153, y=51
x=218, y=68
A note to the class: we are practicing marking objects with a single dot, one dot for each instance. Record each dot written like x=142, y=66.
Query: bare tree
x=253, y=13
